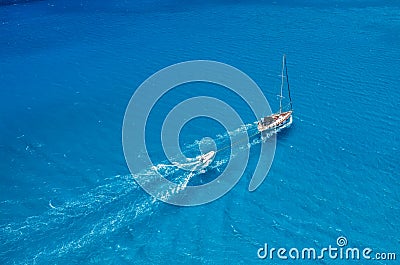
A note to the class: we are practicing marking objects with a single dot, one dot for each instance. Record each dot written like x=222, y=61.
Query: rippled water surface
x=69, y=68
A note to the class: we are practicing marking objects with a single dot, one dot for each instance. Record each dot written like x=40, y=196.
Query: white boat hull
x=275, y=121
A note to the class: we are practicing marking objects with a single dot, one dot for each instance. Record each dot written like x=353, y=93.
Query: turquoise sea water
x=69, y=68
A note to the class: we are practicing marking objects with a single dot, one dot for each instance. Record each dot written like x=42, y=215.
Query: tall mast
x=281, y=96
x=287, y=80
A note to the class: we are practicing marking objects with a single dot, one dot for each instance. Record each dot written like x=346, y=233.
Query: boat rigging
x=266, y=125
x=283, y=118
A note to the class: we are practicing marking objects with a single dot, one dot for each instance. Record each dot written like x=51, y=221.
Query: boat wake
x=114, y=205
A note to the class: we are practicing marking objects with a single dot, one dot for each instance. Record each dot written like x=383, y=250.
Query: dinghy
x=198, y=163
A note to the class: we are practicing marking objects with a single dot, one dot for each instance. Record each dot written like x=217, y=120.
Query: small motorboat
x=207, y=158
x=198, y=163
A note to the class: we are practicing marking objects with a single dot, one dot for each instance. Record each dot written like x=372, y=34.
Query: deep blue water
x=69, y=68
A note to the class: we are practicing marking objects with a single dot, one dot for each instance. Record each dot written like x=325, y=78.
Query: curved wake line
x=101, y=211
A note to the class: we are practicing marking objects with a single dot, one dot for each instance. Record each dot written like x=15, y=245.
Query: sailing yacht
x=283, y=118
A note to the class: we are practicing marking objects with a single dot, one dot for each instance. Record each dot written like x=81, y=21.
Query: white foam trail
x=118, y=197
